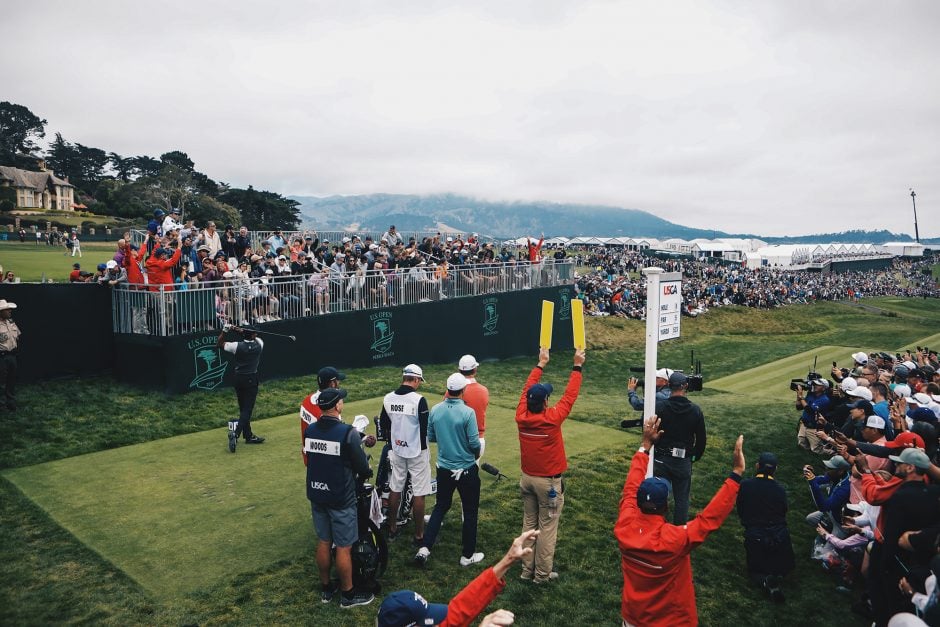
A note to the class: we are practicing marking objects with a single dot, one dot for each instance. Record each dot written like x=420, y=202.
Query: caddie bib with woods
x=402, y=410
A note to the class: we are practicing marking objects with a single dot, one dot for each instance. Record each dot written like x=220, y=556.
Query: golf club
x=292, y=338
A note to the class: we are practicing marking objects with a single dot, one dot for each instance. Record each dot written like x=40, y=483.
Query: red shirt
x=160, y=272
x=132, y=263
x=473, y=599
x=477, y=397
x=654, y=555
x=540, y=441
x=310, y=412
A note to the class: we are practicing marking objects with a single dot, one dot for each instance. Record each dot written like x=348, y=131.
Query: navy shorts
x=336, y=525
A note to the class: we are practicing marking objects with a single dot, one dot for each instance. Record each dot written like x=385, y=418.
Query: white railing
x=166, y=310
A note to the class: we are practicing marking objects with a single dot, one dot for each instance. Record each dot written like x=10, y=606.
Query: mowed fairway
x=180, y=514
x=31, y=262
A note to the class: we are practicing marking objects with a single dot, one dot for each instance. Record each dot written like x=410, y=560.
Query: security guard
x=682, y=443
x=762, y=506
x=9, y=343
x=335, y=462
x=247, y=355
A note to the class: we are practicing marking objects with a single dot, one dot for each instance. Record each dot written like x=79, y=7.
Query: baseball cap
x=102, y=266
x=467, y=362
x=663, y=373
x=77, y=266
x=860, y=392
x=902, y=390
x=204, y=248
x=111, y=264
x=654, y=490
x=677, y=380
x=907, y=439
x=860, y=358
x=921, y=399
x=329, y=397
x=848, y=383
x=913, y=456
x=923, y=414
x=539, y=392
x=327, y=374
x=822, y=382
x=836, y=462
x=406, y=607
x=767, y=460
x=413, y=370
x=456, y=382
x=901, y=371
x=862, y=404
x=875, y=422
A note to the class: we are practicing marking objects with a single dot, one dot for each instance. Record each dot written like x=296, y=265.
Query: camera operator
x=814, y=404
x=829, y=506
x=662, y=388
x=682, y=443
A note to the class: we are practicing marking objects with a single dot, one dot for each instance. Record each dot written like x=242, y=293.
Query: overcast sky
x=777, y=118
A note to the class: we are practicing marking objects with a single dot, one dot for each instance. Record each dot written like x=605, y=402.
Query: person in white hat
x=454, y=427
x=405, y=418
x=475, y=395
x=662, y=389
x=9, y=343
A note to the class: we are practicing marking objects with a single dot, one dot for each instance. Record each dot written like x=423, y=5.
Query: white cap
x=910, y=365
x=346, y=240
x=902, y=390
x=663, y=373
x=922, y=399
x=413, y=370
x=860, y=392
x=860, y=358
x=848, y=383
x=227, y=274
x=875, y=421
x=111, y=264
x=456, y=382
x=467, y=362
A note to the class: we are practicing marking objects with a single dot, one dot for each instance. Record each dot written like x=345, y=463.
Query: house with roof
x=38, y=190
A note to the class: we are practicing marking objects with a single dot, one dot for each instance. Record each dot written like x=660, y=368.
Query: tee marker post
x=548, y=318
x=577, y=324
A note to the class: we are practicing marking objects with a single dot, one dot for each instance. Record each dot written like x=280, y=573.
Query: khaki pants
x=807, y=438
x=537, y=515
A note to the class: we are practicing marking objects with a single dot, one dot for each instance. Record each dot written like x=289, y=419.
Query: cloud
x=777, y=118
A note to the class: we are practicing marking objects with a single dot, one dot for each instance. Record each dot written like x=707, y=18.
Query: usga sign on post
x=663, y=310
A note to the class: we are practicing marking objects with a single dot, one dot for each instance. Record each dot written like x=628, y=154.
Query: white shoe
x=427, y=518
x=475, y=558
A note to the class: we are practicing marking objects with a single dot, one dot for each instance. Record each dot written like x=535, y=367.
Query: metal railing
x=333, y=237
x=166, y=310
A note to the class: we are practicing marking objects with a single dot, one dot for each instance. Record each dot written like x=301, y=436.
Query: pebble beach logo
x=210, y=367
x=490, y=316
x=564, y=305
x=382, y=334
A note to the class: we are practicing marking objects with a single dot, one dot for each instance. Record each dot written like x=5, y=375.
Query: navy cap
x=924, y=414
x=327, y=374
x=767, y=460
x=654, y=490
x=677, y=380
x=539, y=392
x=102, y=266
x=863, y=404
x=406, y=607
x=329, y=397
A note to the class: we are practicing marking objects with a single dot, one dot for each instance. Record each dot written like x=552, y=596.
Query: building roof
x=33, y=180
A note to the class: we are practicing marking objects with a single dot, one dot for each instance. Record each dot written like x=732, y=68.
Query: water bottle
x=552, y=501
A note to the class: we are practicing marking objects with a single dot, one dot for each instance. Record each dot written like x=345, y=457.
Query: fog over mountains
x=375, y=212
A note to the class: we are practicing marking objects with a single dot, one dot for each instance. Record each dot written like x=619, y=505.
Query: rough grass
x=51, y=576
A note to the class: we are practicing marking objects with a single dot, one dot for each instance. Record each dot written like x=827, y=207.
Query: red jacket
x=310, y=412
x=654, y=555
x=160, y=272
x=132, y=263
x=540, y=441
x=473, y=599
x=534, y=249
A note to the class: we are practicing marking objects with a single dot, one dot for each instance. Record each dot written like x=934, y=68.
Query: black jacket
x=683, y=424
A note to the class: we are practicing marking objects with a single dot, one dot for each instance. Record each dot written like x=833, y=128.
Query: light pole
x=916, y=232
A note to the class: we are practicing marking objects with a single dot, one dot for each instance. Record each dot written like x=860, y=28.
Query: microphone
x=493, y=470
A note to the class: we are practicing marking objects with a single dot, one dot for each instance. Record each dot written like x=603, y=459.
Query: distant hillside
x=375, y=212
x=494, y=219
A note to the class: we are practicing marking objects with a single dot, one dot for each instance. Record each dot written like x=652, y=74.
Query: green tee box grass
x=181, y=514
x=30, y=262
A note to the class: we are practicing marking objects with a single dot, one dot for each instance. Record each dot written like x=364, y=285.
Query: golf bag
x=383, y=477
x=370, y=552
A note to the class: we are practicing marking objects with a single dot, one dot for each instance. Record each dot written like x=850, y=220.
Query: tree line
x=133, y=186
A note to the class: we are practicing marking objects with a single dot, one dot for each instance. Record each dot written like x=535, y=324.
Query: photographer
x=682, y=443
x=829, y=506
x=662, y=388
x=812, y=405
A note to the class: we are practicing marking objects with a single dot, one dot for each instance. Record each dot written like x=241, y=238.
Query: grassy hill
x=94, y=533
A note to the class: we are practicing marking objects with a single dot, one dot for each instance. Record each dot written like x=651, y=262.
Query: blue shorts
x=336, y=525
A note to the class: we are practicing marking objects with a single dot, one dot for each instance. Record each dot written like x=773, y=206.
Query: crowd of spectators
x=877, y=491
x=615, y=287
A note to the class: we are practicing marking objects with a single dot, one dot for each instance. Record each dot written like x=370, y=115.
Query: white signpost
x=663, y=312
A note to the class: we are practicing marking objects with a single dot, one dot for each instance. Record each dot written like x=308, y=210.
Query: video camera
x=695, y=382
x=811, y=378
